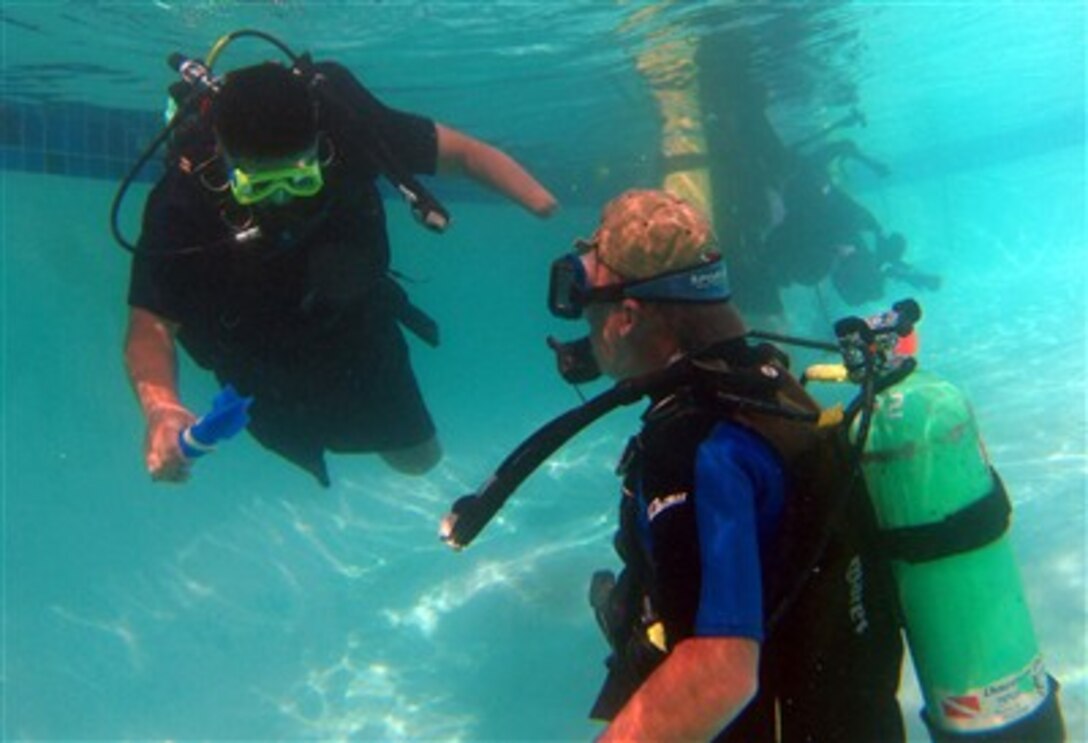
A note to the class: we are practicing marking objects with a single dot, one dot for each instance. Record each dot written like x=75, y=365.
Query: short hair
x=694, y=327
x=649, y=232
x=264, y=111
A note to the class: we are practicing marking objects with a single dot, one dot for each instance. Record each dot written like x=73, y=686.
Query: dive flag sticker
x=961, y=708
x=999, y=703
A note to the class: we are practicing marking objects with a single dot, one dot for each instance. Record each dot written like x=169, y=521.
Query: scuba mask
x=569, y=291
x=303, y=179
x=190, y=100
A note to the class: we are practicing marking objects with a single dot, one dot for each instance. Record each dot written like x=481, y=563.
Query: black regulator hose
x=794, y=341
x=471, y=513
x=226, y=39
x=119, y=197
x=198, y=74
x=425, y=207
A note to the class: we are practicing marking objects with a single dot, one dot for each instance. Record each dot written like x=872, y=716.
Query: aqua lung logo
x=855, y=578
x=710, y=280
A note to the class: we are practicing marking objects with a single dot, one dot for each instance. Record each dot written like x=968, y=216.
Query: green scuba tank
x=943, y=516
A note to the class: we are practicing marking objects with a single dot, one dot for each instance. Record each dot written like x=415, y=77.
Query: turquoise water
x=251, y=604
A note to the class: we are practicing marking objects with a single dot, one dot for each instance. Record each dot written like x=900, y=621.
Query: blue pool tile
x=56, y=129
x=114, y=170
x=55, y=163
x=11, y=158
x=77, y=139
x=96, y=167
x=115, y=135
x=59, y=163
x=34, y=161
x=33, y=128
x=96, y=135
x=11, y=125
x=79, y=165
x=77, y=126
x=97, y=117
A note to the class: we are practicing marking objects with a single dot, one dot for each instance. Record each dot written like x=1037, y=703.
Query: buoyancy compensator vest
x=342, y=104
x=832, y=652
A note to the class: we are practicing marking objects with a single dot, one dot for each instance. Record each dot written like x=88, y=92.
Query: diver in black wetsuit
x=826, y=233
x=777, y=206
x=264, y=253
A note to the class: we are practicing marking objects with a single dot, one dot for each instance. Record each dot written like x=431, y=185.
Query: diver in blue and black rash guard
x=720, y=626
x=264, y=253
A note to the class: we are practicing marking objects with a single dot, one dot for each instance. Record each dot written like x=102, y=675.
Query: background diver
x=824, y=232
x=779, y=207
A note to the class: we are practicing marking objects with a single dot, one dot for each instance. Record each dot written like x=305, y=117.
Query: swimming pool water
x=250, y=604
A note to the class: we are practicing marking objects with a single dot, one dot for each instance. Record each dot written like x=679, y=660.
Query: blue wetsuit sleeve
x=738, y=497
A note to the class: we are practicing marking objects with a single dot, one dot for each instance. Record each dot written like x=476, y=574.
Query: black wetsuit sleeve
x=144, y=291
x=355, y=116
x=175, y=219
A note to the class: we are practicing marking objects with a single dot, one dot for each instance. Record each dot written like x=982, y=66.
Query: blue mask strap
x=707, y=282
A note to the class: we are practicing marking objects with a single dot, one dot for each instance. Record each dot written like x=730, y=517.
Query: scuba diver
x=704, y=501
x=264, y=253
x=707, y=546
x=772, y=551
x=824, y=232
x=777, y=206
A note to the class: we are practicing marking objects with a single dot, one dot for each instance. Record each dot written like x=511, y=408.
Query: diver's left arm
x=461, y=154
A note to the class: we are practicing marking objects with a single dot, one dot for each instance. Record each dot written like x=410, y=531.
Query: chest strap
x=969, y=528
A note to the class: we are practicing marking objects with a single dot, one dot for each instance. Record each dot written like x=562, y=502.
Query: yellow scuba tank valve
x=832, y=373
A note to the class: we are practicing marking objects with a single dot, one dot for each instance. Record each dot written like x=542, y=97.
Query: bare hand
x=544, y=204
x=165, y=460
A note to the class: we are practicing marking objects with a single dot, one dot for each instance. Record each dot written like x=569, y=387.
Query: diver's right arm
x=151, y=361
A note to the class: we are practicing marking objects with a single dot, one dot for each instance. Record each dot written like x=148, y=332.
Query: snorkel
x=190, y=99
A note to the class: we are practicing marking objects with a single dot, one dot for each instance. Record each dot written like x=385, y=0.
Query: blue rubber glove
x=228, y=416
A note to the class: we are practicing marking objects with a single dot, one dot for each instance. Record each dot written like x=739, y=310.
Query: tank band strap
x=969, y=528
